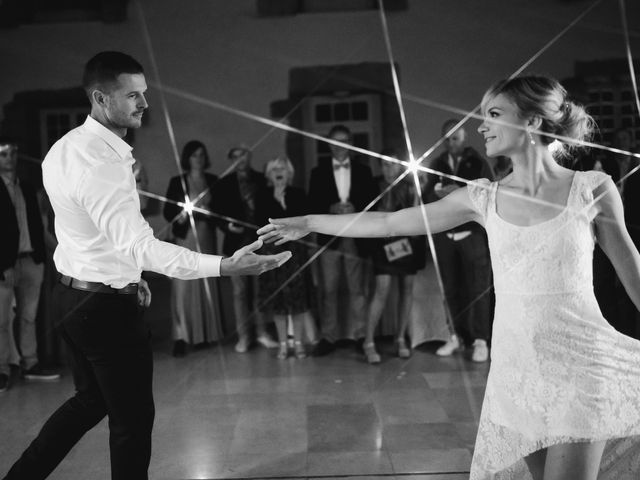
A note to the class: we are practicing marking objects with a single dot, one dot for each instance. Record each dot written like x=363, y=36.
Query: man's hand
x=282, y=230
x=245, y=262
x=144, y=293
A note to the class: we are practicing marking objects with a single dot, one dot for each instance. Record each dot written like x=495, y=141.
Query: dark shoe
x=323, y=347
x=179, y=348
x=4, y=382
x=360, y=346
x=40, y=374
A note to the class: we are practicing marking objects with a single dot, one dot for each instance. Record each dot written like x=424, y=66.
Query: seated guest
x=289, y=292
x=195, y=304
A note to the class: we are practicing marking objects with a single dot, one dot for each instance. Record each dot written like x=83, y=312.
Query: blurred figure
x=341, y=186
x=629, y=188
x=195, y=304
x=463, y=252
x=21, y=267
x=502, y=167
x=142, y=183
x=398, y=257
x=235, y=200
x=287, y=292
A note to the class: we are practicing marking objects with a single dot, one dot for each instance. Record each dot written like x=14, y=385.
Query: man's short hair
x=104, y=68
x=339, y=129
x=449, y=124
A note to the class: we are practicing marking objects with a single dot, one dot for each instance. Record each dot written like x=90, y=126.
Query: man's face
x=8, y=158
x=340, y=153
x=125, y=101
x=455, y=143
x=241, y=158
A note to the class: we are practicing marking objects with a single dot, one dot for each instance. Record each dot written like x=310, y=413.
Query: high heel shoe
x=403, y=350
x=370, y=353
x=299, y=350
x=283, y=353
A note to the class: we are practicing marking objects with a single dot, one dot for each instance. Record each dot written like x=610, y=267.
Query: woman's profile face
x=197, y=160
x=502, y=128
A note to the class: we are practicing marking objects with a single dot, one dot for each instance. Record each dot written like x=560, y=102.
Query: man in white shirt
x=104, y=244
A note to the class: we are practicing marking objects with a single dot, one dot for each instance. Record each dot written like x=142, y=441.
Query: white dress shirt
x=102, y=236
x=342, y=176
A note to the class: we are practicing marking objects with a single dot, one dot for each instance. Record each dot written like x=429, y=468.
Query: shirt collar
x=122, y=148
x=346, y=161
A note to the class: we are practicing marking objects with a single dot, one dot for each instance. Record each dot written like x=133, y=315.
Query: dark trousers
x=112, y=365
x=465, y=266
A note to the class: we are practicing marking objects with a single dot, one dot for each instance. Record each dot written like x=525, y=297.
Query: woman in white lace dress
x=562, y=380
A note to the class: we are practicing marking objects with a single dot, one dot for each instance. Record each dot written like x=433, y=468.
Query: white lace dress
x=559, y=372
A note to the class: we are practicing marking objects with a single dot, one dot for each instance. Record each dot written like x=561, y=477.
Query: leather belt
x=25, y=254
x=97, y=287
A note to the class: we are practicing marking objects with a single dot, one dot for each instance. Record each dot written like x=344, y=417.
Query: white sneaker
x=448, y=348
x=266, y=341
x=242, y=346
x=480, y=351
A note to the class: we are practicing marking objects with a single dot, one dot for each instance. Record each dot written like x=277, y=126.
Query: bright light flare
x=188, y=206
x=413, y=166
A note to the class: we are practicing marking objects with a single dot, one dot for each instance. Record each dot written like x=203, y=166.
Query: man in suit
x=234, y=200
x=341, y=186
x=463, y=252
x=21, y=267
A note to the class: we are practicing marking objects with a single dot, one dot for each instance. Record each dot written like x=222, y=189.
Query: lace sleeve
x=478, y=191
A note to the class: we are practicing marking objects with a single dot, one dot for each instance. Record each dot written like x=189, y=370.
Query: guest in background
x=463, y=252
x=341, y=186
x=502, y=167
x=235, y=200
x=21, y=267
x=287, y=293
x=398, y=257
x=195, y=304
x=142, y=183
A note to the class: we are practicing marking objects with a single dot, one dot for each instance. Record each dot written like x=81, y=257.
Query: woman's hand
x=282, y=230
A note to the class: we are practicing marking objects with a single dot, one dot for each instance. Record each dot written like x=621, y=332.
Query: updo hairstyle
x=544, y=97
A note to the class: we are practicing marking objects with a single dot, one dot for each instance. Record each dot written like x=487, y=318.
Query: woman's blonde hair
x=543, y=97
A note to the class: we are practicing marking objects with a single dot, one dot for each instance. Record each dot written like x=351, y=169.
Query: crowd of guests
x=244, y=199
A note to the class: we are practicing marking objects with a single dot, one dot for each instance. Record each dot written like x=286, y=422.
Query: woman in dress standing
x=195, y=306
x=562, y=380
x=286, y=292
x=398, y=257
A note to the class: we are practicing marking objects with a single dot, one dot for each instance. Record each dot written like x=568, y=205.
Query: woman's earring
x=531, y=140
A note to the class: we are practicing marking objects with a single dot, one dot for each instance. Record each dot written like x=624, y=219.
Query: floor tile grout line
x=367, y=475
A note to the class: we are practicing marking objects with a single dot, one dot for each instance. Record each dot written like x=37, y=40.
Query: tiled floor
x=226, y=415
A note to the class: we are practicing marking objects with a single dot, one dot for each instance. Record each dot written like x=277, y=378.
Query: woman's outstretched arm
x=615, y=241
x=451, y=211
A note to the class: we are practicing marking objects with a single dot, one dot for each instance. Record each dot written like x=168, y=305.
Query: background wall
x=448, y=51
